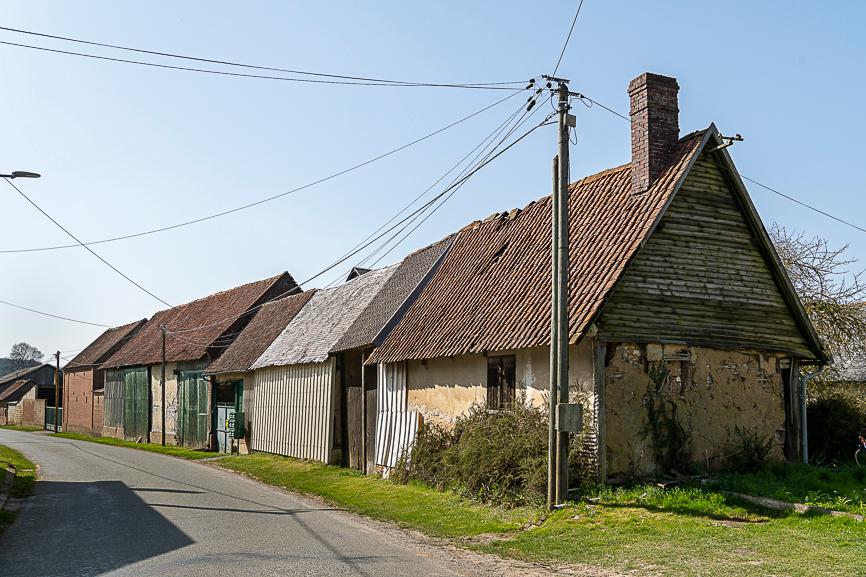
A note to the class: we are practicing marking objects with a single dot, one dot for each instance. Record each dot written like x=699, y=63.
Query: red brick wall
x=33, y=412
x=78, y=402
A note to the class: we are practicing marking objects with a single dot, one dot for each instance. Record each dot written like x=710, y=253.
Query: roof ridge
x=222, y=292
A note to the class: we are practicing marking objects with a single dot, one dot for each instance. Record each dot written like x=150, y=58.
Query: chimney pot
x=654, y=126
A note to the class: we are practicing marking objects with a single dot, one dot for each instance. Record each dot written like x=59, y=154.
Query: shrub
x=492, y=456
x=835, y=417
x=751, y=451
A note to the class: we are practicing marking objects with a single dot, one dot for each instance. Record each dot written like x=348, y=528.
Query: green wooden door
x=193, y=409
x=136, y=403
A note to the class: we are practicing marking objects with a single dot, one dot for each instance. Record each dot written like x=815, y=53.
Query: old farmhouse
x=684, y=327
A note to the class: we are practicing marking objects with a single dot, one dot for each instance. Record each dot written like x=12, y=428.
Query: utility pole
x=559, y=393
x=57, y=402
x=162, y=329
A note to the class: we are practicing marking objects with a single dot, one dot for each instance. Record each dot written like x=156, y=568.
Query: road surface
x=103, y=510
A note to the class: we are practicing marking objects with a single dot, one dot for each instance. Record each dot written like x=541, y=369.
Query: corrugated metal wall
x=294, y=414
x=396, y=427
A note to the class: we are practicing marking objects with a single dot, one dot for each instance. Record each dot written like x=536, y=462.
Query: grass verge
x=182, y=452
x=26, y=429
x=22, y=485
x=691, y=532
x=436, y=513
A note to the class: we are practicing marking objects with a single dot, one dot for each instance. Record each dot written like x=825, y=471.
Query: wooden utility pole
x=57, y=402
x=554, y=342
x=559, y=394
x=162, y=329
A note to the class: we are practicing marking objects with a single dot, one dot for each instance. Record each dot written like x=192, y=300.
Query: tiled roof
x=216, y=314
x=21, y=373
x=323, y=321
x=104, y=346
x=14, y=392
x=492, y=290
x=388, y=304
x=269, y=322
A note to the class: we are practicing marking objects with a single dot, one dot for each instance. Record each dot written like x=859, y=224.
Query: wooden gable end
x=703, y=277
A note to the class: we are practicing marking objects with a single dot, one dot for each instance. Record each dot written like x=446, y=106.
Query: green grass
x=22, y=485
x=841, y=488
x=436, y=513
x=650, y=531
x=26, y=429
x=182, y=452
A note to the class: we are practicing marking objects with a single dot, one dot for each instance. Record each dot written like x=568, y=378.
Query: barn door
x=351, y=377
x=136, y=404
x=193, y=409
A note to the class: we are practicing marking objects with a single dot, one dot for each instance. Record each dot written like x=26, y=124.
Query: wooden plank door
x=193, y=409
x=136, y=404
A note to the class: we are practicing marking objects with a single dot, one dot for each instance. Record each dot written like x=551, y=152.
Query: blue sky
x=125, y=148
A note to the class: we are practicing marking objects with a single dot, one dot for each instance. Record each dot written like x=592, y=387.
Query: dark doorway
x=501, y=381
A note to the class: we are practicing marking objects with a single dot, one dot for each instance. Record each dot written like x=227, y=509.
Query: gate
x=136, y=404
x=193, y=409
x=49, y=419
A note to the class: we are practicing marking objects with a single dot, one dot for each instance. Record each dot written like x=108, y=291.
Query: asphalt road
x=103, y=510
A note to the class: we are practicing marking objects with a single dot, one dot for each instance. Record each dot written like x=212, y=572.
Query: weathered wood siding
x=702, y=278
x=294, y=413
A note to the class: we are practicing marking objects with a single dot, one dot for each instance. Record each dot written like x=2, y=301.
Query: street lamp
x=21, y=174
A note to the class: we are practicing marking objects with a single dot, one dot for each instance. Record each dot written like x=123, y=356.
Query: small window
x=501, y=381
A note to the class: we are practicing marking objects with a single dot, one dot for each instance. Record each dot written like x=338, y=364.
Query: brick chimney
x=655, y=126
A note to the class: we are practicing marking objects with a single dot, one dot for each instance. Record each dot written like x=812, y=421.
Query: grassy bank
x=642, y=530
x=26, y=429
x=22, y=485
x=181, y=452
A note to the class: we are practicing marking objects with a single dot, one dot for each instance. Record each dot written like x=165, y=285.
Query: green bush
x=835, y=417
x=750, y=451
x=492, y=456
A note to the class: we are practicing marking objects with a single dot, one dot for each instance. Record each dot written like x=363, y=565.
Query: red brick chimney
x=655, y=126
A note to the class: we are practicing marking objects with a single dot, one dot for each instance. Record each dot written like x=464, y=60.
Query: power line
x=257, y=67
x=276, y=196
x=743, y=176
x=38, y=312
x=567, y=38
x=496, y=131
x=522, y=120
x=61, y=227
x=249, y=75
x=347, y=257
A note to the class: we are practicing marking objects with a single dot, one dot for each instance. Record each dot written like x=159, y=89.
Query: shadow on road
x=113, y=528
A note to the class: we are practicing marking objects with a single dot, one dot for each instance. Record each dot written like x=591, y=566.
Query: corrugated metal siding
x=396, y=427
x=702, y=278
x=294, y=410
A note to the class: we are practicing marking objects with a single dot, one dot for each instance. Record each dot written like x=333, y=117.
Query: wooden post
x=162, y=385
x=554, y=342
x=57, y=400
x=363, y=414
x=561, y=322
